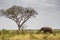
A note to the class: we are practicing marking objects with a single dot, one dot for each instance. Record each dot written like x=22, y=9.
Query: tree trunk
x=19, y=27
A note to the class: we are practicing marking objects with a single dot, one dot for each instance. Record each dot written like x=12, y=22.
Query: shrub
x=5, y=31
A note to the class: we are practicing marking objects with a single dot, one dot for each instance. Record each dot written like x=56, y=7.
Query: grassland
x=28, y=35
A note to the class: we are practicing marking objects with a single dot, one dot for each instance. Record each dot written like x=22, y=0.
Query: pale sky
x=48, y=13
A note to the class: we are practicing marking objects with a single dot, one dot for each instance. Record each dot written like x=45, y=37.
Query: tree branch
x=25, y=20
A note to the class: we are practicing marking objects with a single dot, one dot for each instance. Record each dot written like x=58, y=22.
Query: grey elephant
x=46, y=29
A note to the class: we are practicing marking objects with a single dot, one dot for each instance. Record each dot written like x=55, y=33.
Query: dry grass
x=36, y=37
x=28, y=35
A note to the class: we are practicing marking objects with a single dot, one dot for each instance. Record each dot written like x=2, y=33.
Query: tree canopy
x=19, y=14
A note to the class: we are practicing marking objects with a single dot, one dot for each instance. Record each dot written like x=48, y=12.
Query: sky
x=48, y=14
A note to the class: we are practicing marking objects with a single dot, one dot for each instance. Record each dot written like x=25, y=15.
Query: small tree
x=19, y=14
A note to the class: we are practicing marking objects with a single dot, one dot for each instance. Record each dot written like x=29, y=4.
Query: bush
x=5, y=31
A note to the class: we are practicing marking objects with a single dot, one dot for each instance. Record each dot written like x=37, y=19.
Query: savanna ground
x=28, y=35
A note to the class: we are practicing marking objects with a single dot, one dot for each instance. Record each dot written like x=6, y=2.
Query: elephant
x=46, y=29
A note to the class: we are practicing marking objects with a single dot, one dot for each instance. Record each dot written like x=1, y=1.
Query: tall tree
x=19, y=14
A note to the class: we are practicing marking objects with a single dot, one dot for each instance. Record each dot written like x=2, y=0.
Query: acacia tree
x=19, y=14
